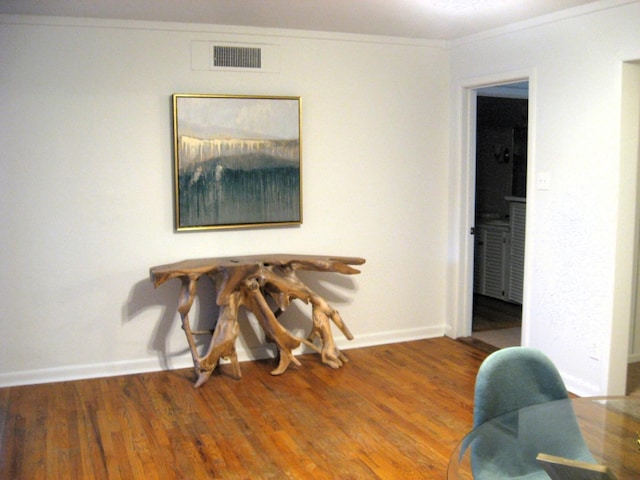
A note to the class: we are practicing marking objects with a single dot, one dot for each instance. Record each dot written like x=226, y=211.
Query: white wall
x=86, y=187
x=574, y=261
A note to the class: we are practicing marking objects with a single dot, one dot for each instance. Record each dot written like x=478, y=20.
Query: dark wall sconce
x=501, y=153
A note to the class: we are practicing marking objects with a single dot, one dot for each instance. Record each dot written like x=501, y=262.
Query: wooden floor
x=393, y=412
x=491, y=314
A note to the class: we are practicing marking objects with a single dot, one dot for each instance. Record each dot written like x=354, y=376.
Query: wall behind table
x=86, y=187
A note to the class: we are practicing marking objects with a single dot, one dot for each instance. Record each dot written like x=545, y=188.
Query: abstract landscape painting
x=237, y=161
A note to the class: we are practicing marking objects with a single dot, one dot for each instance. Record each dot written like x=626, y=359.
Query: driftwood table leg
x=280, y=335
x=188, y=291
x=321, y=313
x=223, y=341
x=222, y=344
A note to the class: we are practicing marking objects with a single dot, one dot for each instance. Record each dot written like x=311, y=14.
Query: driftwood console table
x=248, y=281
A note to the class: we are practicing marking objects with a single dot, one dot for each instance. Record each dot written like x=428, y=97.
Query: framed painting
x=237, y=161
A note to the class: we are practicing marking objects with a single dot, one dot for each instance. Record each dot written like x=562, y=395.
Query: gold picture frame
x=237, y=161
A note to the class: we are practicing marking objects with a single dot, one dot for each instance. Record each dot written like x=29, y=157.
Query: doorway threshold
x=502, y=338
x=479, y=344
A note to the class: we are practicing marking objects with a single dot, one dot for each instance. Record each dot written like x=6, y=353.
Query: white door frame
x=463, y=178
x=625, y=322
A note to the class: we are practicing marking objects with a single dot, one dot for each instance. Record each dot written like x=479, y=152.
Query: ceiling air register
x=238, y=57
x=228, y=56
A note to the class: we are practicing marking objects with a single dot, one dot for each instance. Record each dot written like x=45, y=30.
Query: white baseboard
x=111, y=369
x=579, y=387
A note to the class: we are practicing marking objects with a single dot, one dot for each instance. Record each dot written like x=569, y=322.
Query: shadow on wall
x=204, y=313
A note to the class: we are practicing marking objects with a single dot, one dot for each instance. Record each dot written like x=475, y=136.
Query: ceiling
x=425, y=19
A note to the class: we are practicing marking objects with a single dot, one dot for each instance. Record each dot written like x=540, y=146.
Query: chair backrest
x=513, y=378
x=508, y=381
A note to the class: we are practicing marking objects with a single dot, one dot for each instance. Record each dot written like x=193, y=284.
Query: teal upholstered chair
x=509, y=380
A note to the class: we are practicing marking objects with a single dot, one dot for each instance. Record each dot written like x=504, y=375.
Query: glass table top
x=602, y=430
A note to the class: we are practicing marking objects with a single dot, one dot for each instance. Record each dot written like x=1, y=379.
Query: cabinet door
x=495, y=263
x=491, y=262
x=516, y=267
x=478, y=261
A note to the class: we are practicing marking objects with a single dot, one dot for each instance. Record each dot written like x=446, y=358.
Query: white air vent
x=227, y=56
x=238, y=57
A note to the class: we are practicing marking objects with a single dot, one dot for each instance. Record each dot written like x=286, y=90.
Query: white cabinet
x=517, y=216
x=491, y=268
x=499, y=255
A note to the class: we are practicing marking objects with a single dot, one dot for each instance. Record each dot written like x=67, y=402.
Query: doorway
x=500, y=213
x=630, y=154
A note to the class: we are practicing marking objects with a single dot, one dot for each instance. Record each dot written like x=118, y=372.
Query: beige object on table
x=560, y=468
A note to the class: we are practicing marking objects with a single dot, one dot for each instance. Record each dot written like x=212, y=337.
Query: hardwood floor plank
x=91, y=451
x=394, y=411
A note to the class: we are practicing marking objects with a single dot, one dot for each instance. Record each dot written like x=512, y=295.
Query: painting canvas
x=237, y=161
